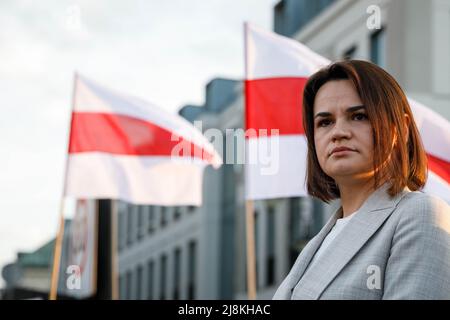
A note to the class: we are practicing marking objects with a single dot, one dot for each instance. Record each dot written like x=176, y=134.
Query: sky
x=164, y=52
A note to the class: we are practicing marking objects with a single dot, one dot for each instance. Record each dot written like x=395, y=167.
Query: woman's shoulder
x=422, y=206
x=423, y=200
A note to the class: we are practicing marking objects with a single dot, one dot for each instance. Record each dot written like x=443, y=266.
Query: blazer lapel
x=360, y=228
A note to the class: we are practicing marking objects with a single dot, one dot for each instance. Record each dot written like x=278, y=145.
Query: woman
x=387, y=240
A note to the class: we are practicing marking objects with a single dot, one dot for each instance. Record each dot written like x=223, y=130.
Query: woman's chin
x=347, y=172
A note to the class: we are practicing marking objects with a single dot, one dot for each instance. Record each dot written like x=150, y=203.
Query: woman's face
x=340, y=120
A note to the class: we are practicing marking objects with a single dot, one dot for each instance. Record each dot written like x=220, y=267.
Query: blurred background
x=186, y=57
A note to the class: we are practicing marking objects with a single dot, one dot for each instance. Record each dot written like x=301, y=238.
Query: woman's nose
x=341, y=130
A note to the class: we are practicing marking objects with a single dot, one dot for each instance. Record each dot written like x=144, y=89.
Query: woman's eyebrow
x=349, y=110
x=355, y=108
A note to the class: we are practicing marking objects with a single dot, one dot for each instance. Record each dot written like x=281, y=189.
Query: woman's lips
x=341, y=150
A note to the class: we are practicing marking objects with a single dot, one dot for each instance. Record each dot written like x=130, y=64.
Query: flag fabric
x=435, y=134
x=277, y=69
x=121, y=147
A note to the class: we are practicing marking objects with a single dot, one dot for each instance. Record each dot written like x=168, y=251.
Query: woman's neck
x=354, y=194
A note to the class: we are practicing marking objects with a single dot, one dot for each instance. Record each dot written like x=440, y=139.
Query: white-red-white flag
x=125, y=148
x=277, y=69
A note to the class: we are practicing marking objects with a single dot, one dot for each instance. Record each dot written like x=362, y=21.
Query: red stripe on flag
x=125, y=135
x=274, y=104
x=439, y=167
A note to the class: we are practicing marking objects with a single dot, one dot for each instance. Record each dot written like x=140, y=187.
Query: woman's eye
x=360, y=116
x=324, y=123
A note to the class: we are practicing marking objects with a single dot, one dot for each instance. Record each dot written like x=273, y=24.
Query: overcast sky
x=164, y=51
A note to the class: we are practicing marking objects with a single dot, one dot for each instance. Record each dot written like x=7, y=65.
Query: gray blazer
x=393, y=248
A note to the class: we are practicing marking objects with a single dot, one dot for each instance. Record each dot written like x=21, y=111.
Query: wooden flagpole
x=251, y=261
x=59, y=237
x=249, y=210
x=57, y=253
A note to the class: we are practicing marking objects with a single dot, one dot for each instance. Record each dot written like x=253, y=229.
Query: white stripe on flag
x=278, y=172
x=270, y=56
x=139, y=180
x=437, y=186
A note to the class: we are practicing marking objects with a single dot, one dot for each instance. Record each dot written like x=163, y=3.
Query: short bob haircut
x=399, y=156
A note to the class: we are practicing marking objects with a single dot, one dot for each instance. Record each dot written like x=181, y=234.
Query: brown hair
x=404, y=164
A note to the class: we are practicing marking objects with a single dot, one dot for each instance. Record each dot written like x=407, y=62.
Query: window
x=140, y=222
x=150, y=282
x=305, y=222
x=176, y=213
x=162, y=287
x=378, y=47
x=128, y=285
x=279, y=19
x=122, y=225
x=191, y=209
x=139, y=283
x=191, y=271
x=151, y=219
x=297, y=239
x=177, y=272
x=270, y=269
x=122, y=287
x=129, y=213
x=163, y=216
